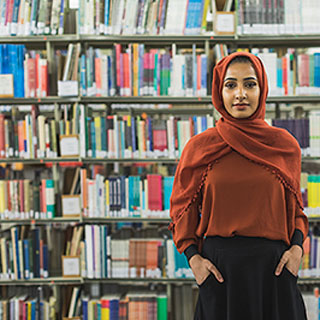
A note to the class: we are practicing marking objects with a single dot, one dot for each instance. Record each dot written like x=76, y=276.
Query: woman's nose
x=240, y=93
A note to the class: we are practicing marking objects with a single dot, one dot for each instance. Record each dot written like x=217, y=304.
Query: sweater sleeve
x=184, y=231
x=301, y=224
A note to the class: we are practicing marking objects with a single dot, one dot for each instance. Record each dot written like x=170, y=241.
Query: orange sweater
x=239, y=198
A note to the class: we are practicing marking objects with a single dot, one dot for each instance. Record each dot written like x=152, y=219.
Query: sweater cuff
x=191, y=251
x=297, y=238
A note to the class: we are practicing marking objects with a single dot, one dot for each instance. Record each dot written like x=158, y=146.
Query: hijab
x=275, y=149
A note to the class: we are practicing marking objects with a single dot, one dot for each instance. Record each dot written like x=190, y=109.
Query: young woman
x=236, y=205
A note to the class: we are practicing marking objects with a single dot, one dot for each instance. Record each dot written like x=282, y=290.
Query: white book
x=89, y=251
x=269, y=60
x=117, y=14
x=170, y=258
x=130, y=17
x=97, y=252
x=176, y=16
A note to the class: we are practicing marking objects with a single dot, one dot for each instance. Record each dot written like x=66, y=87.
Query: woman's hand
x=202, y=267
x=291, y=259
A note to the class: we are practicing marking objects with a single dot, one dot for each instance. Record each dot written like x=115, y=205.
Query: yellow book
x=29, y=310
x=2, y=196
x=97, y=126
x=67, y=127
x=105, y=308
x=106, y=183
x=204, y=17
x=129, y=126
x=135, y=69
x=4, y=256
x=27, y=193
x=309, y=193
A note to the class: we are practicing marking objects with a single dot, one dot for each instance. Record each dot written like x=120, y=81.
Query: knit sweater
x=242, y=198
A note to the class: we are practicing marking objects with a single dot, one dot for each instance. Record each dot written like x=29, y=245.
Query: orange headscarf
x=275, y=149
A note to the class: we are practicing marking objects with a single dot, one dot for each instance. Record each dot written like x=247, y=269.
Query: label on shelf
x=67, y=88
x=6, y=85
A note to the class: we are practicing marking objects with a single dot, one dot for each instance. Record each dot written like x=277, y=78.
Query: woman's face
x=241, y=91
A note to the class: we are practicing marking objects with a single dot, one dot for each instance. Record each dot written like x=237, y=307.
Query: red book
x=41, y=258
x=8, y=196
x=160, y=141
x=118, y=52
x=21, y=195
x=154, y=191
x=38, y=75
x=2, y=137
x=97, y=65
x=32, y=77
x=303, y=70
x=126, y=74
x=44, y=78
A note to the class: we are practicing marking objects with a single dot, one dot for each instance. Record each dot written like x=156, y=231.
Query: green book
x=162, y=303
x=50, y=198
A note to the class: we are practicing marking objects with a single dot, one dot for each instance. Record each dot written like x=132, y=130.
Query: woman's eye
x=230, y=85
x=251, y=84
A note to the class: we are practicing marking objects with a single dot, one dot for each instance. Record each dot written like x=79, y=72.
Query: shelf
x=49, y=282
x=148, y=99
x=155, y=39
x=145, y=100
x=135, y=281
x=62, y=39
x=86, y=160
x=281, y=41
x=126, y=219
x=45, y=100
x=40, y=221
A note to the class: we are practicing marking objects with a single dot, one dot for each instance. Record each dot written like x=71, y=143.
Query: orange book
x=152, y=254
x=126, y=74
x=38, y=75
x=135, y=69
x=83, y=177
x=285, y=75
x=20, y=138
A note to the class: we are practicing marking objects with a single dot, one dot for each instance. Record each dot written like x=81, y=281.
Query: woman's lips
x=240, y=106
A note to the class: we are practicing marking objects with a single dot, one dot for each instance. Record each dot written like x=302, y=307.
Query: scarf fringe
x=195, y=196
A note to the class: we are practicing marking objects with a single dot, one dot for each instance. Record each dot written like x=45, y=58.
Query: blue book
x=204, y=123
x=123, y=192
x=191, y=17
x=204, y=61
x=122, y=137
x=106, y=14
x=133, y=134
x=15, y=239
x=114, y=309
x=83, y=75
x=93, y=139
x=85, y=308
x=195, y=125
x=106, y=251
x=15, y=15
x=103, y=135
x=33, y=310
x=131, y=189
x=168, y=186
x=317, y=69
x=45, y=260
x=26, y=259
x=279, y=73
x=36, y=252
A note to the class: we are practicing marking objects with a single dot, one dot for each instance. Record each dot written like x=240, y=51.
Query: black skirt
x=251, y=290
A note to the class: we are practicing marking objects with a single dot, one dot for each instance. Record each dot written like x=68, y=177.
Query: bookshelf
x=205, y=42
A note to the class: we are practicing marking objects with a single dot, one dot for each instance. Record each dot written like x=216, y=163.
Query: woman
x=236, y=205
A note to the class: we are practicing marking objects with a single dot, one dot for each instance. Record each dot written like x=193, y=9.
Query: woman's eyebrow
x=235, y=79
